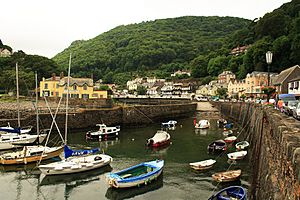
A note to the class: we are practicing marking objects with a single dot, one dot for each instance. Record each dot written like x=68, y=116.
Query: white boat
x=75, y=161
x=242, y=145
x=202, y=124
x=9, y=129
x=202, y=165
x=170, y=125
x=237, y=155
x=76, y=164
x=230, y=139
x=160, y=138
x=104, y=132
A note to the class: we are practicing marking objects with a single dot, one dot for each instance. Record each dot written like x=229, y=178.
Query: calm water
x=178, y=181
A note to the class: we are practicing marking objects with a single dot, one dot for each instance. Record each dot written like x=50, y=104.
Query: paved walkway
x=206, y=107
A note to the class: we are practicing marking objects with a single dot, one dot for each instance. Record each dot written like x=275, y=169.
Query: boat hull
x=136, y=175
x=232, y=192
x=30, y=159
x=228, y=176
x=77, y=166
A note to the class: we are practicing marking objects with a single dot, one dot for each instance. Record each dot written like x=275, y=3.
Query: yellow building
x=78, y=88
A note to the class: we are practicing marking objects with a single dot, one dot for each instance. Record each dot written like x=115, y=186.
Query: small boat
x=242, y=145
x=103, y=133
x=227, y=132
x=230, y=193
x=14, y=140
x=230, y=139
x=228, y=125
x=137, y=175
x=221, y=122
x=202, y=124
x=9, y=129
x=160, y=138
x=30, y=154
x=170, y=125
x=76, y=161
x=217, y=146
x=227, y=176
x=205, y=164
x=237, y=155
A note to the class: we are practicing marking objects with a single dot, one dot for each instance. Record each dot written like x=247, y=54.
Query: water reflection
x=126, y=193
x=201, y=131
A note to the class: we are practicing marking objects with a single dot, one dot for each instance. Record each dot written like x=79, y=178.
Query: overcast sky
x=46, y=27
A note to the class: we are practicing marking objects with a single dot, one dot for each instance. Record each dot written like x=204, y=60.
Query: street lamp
x=269, y=61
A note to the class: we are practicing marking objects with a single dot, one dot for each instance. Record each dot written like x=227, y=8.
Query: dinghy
x=202, y=165
x=221, y=122
x=242, y=145
x=202, y=124
x=237, y=155
x=230, y=139
x=227, y=176
x=230, y=193
x=170, y=125
x=217, y=146
x=137, y=175
x=160, y=138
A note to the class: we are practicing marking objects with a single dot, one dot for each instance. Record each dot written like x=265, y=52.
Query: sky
x=47, y=27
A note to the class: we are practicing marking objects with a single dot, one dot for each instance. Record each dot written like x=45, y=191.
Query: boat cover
x=69, y=152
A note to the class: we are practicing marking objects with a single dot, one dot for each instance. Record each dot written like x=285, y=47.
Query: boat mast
x=67, y=101
x=18, y=103
x=36, y=105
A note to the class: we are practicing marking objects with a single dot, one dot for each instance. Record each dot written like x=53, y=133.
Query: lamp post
x=269, y=61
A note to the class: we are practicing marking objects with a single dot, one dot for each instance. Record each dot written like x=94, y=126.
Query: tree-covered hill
x=161, y=44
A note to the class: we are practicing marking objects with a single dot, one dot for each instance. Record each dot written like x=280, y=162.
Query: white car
x=296, y=112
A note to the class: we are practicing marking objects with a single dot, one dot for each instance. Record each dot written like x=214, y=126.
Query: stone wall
x=274, y=149
x=125, y=115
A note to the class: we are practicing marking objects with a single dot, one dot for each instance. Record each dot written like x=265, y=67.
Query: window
x=84, y=87
x=57, y=94
x=74, y=87
x=85, y=96
x=57, y=85
x=46, y=85
x=291, y=86
x=296, y=85
x=51, y=93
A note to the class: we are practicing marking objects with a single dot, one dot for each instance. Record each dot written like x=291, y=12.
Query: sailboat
x=17, y=137
x=75, y=160
x=34, y=153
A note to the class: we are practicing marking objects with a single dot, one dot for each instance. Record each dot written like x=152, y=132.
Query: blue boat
x=232, y=192
x=137, y=175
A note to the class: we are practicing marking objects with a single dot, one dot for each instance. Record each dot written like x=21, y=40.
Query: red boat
x=161, y=138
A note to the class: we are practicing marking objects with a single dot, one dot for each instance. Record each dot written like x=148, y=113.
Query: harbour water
x=178, y=181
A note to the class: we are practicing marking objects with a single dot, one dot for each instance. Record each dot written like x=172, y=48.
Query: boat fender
x=145, y=182
x=117, y=133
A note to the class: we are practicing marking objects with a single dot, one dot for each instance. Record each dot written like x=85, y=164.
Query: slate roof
x=283, y=75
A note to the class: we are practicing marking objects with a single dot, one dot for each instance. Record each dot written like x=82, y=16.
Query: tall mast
x=18, y=103
x=36, y=104
x=67, y=101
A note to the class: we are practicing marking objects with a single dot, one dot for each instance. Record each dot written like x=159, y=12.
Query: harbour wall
x=127, y=115
x=274, y=149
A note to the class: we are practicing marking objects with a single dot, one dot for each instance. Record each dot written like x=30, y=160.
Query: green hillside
x=160, y=44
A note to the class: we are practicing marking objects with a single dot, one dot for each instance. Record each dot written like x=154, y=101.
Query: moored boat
x=242, y=145
x=160, y=138
x=202, y=165
x=202, y=124
x=217, y=146
x=170, y=125
x=230, y=193
x=221, y=122
x=227, y=132
x=237, y=155
x=104, y=132
x=76, y=161
x=30, y=154
x=227, y=176
x=137, y=175
x=230, y=139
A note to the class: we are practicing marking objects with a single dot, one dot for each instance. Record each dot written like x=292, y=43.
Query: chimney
x=61, y=75
x=53, y=76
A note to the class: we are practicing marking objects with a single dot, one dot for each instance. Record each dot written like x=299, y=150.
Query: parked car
x=296, y=112
x=289, y=106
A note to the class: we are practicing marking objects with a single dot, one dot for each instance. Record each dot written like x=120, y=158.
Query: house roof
x=283, y=75
x=295, y=79
x=77, y=81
